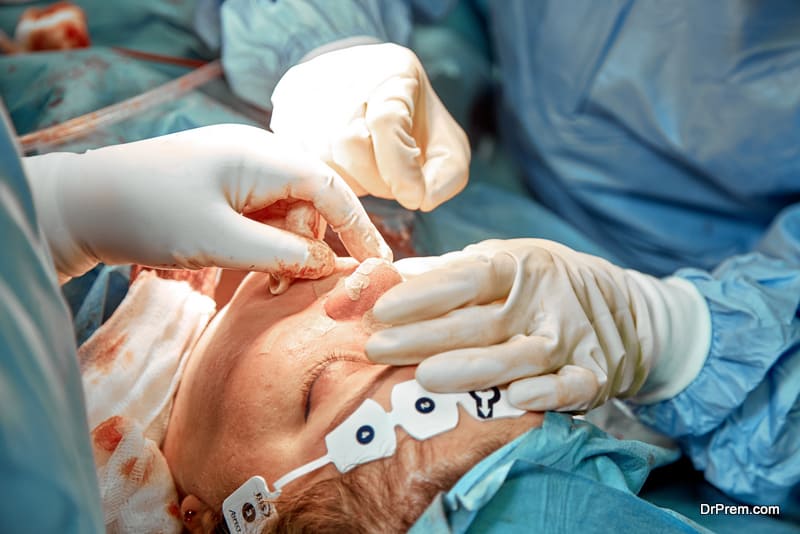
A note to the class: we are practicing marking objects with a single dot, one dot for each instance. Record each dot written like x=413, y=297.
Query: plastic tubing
x=46, y=138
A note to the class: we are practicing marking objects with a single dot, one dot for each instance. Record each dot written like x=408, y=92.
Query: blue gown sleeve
x=46, y=464
x=260, y=41
x=739, y=420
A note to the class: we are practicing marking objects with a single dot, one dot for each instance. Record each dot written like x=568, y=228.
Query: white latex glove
x=567, y=330
x=178, y=201
x=370, y=113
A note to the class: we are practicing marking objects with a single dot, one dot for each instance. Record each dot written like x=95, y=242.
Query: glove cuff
x=681, y=330
x=46, y=175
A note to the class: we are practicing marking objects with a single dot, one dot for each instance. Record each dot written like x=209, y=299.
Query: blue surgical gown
x=46, y=464
x=667, y=132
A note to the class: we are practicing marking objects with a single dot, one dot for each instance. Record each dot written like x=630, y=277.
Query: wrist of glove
x=566, y=330
x=179, y=201
x=71, y=256
x=682, y=333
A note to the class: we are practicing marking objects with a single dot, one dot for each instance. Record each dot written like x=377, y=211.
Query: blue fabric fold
x=739, y=420
x=566, y=476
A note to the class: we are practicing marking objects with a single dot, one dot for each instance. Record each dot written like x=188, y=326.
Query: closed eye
x=316, y=371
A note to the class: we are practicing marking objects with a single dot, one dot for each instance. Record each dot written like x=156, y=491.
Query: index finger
x=274, y=170
x=347, y=217
x=340, y=207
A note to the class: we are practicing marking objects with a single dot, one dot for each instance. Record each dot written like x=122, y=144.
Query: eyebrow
x=355, y=401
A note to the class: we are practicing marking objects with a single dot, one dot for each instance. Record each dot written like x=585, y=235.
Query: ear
x=197, y=516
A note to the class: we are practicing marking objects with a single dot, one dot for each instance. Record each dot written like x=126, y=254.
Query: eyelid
x=316, y=371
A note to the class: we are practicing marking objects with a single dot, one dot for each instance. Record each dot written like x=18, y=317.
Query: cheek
x=359, y=291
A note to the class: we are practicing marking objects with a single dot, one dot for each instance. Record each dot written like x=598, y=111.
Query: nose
x=351, y=299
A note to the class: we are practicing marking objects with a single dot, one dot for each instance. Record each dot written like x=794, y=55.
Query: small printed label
x=248, y=508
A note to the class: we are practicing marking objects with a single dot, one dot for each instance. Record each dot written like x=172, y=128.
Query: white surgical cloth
x=131, y=367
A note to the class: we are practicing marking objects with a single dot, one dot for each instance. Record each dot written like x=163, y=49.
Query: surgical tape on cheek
x=368, y=435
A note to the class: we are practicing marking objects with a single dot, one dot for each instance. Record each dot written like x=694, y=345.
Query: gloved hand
x=567, y=330
x=370, y=113
x=178, y=201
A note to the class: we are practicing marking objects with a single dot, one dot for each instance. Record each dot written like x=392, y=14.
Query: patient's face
x=272, y=376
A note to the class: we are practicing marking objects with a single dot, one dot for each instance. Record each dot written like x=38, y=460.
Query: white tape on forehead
x=368, y=435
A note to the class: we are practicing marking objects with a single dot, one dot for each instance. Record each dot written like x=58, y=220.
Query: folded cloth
x=131, y=367
x=561, y=477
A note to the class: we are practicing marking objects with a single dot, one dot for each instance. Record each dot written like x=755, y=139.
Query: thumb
x=446, y=153
x=249, y=245
x=390, y=120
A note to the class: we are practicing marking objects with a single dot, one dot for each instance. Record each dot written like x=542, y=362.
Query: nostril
x=361, y=289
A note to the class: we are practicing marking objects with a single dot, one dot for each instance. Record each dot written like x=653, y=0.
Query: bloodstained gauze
x=61, y=26
x=106, y=435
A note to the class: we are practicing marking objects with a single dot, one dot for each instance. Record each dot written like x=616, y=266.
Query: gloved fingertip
x=366, y=244
x=345, y=263
x=411, y=202
x=433, y=199
x=378, y=349
x=430, y=377
x=383, y=349
x=547, y=393
x=385, y=308
x=385, y=251
x=319, y=261
x=444, y=374
x=531, y=398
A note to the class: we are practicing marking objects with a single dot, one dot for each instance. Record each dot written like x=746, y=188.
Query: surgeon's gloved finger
x=343, y=211
x=303, y=177
x=446, y=153
x=302, y=219
x=444, y=177
x=417, y=265
x=572, y=389
x=389, y=118
x=296, y=216
x=354, y=159
x=476, y=326
x=245, y=244
x=477, y=368
x=461, y=281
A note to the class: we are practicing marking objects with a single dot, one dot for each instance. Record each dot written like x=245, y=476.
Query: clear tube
x=42, y=140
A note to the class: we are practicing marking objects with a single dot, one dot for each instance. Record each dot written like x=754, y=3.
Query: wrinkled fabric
x=666, y=131
x=49, y=483
x=739, y=420
x=262, y=40
x=563, y=477
x=131, y=367
x=48, y=88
